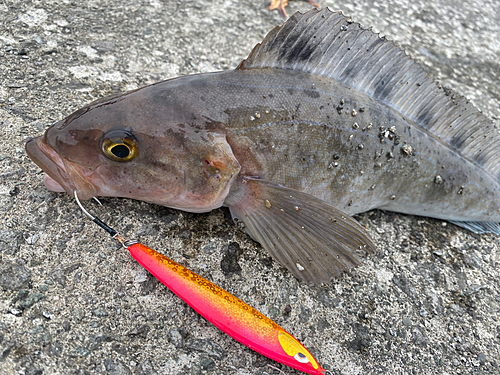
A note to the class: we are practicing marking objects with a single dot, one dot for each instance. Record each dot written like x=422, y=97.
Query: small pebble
x=482, y=359
x=80, y=350
x=407, y=149
x=47, y=338
x=32, y=299
x=15, y=311
x=13, y=276
x=100, y=312
x=175, y=337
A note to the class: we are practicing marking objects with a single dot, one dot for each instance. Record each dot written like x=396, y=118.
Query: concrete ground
x=73, y=302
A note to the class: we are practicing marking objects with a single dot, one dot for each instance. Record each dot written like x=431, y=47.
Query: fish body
x=288, y=127
x=306, y=132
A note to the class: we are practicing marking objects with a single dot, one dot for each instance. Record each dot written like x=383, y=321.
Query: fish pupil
x=120, y=151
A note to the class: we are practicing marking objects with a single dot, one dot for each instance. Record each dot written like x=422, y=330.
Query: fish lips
x=61, y=175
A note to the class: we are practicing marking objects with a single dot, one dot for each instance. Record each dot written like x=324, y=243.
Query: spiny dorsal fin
x=328, y=44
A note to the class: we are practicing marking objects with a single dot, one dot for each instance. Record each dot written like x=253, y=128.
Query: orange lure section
x=228, y=313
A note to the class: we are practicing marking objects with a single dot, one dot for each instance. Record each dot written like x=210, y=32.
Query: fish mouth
x=61, y=174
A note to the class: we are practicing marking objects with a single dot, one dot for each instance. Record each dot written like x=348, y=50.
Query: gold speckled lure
x=228, y=313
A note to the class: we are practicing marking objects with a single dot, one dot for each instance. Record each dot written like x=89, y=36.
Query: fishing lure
x=227, y=312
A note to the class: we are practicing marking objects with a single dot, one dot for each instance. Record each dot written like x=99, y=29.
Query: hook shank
x=102, y=224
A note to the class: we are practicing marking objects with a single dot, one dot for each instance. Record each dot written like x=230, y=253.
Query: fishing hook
x=113, y=233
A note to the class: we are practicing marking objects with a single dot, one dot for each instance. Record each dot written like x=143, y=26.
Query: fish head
x=135, y=146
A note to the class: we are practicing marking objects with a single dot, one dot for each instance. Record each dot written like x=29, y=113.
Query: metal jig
x=225, y=311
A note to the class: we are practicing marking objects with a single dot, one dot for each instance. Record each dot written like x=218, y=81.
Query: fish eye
x=119, y=145
x=301, y=357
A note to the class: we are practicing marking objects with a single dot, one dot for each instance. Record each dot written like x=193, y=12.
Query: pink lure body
x=228, y=313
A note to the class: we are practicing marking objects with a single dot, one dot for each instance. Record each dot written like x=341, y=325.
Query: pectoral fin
x=314, y=240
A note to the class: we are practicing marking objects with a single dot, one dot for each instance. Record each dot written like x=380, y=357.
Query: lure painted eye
x=301, y=358
x=119, y=145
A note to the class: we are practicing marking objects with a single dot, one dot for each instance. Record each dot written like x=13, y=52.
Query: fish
x=323, y=120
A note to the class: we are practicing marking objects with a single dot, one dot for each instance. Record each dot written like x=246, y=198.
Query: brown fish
x=323, y=120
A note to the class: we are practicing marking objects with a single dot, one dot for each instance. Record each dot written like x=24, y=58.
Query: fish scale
x=402, y=174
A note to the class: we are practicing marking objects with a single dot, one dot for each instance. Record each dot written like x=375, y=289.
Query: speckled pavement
x=73, y=302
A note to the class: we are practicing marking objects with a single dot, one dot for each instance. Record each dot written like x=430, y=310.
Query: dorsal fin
x=329, y=44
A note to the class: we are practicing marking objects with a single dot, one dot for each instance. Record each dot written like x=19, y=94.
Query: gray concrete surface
x=73, y=302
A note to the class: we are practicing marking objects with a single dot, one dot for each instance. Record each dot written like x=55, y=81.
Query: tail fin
x=479, y=227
